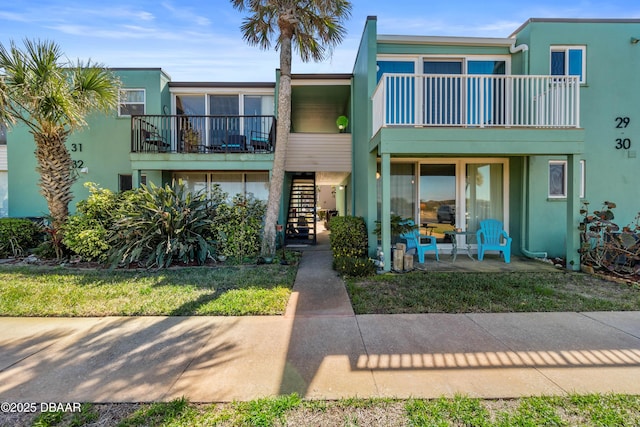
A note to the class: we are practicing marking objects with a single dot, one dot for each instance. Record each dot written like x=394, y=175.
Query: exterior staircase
x=301, y=218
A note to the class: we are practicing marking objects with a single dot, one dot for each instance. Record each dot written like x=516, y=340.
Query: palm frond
x=51, y=96
x=95, y=87
x=315, y=26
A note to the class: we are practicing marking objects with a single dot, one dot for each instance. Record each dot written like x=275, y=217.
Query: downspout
x=522, y=48
x=524, y=224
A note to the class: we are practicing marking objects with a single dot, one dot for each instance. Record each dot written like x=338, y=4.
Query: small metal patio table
x=454, y=236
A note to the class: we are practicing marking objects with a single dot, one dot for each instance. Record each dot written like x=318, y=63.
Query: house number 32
x=622, y=143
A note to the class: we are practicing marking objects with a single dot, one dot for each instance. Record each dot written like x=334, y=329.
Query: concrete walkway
x=320, y=350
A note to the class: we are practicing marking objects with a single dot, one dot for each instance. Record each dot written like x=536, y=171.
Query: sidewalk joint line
x=608, y=325
x=535, y=368
x=366, y=352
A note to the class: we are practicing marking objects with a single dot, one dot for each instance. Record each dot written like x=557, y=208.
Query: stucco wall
x=102, y=148
x=611, y=90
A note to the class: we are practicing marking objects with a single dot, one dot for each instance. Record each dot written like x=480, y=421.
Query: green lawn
x=582, y=410
x=265, y=289
x=229, y=291
x=433, y=292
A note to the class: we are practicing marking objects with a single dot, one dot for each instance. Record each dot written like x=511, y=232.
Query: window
x=3, y=134
x=258, y=105
x=191, y=105
x=4, y=194
x=558, y=179
x=569, y=61
x=125, y=181
x=232, y=183
x=224, y=105
x=131, y=102
x=394, y=67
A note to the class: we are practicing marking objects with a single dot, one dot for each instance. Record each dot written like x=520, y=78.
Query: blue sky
x=201, y=41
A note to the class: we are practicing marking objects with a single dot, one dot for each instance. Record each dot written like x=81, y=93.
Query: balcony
x=476, y=101
x=202, y=134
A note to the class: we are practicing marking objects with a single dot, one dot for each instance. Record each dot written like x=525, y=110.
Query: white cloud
x=16, y=17
x=186, y=14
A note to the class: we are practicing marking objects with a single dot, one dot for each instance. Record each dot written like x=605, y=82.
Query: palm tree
x=52, y=97
x=313, y=27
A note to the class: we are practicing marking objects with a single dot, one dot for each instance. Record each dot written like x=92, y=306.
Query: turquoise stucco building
x=522, y=129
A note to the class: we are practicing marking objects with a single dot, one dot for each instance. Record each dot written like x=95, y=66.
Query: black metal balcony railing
x=202, y=134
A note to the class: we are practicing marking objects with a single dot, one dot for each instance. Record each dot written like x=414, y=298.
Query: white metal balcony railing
x=476, y=101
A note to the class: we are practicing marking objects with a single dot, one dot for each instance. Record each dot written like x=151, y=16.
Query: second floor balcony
x=202, y=134
x=477, y=101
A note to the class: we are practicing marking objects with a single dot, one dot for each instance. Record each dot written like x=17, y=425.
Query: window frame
x=563, y=163
x=122, y=103
x=419, y=59
x=566, y=49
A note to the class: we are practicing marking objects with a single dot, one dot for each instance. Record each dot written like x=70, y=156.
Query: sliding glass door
x=438, y=201
x=484, y=193
x=448, y=194
x=403, y=190
x=442, y=92
x=486, y=95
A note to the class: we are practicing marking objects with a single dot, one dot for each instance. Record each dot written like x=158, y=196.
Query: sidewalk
x=320, y=350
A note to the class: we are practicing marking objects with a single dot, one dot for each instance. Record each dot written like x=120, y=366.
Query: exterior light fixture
x=342, y=122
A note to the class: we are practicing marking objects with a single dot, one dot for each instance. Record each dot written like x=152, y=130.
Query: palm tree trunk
x=280, y=154
x=56, y=179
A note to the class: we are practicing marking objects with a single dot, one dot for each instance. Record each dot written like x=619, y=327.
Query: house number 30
x=622, y=143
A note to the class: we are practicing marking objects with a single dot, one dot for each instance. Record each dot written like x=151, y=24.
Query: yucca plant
x=165, y=225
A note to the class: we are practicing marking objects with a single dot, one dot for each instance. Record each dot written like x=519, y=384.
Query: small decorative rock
x=31, y=259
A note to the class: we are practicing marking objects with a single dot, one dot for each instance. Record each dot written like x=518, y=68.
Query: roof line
x=222, y=84
x=445, y=40
x=578, y=20
x=336, y=76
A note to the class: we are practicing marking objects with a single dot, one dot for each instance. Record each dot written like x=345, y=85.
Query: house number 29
x=622, y=143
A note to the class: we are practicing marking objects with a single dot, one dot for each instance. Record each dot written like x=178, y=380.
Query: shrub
x=237, y=227
x=17, y=235
x=349, y=245
x=86, y=237
x=86, y=233
x=355, y=267
x=603, y=245
x=163, y=224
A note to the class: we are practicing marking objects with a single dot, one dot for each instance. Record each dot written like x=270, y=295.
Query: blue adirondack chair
x=492, y=237
x=415, y=240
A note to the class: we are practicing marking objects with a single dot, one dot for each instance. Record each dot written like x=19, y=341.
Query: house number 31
x=622, y=143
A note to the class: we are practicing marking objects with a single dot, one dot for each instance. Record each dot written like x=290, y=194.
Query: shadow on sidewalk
x=324, y=332
x=334, y=354
x=106, y=359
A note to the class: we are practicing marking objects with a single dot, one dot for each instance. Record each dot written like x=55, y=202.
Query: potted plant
x=399, y=226
x=191, y=139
